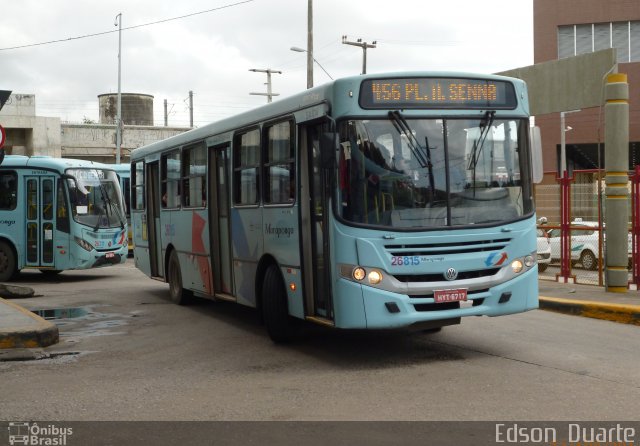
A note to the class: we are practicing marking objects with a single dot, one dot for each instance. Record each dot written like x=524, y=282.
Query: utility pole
x=364, y=46
x=190, y=109
x=268, y=94
x=310, y=45
x=118, y=23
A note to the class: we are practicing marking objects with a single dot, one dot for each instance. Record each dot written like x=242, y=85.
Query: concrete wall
x=28, y=134
x=97, y=142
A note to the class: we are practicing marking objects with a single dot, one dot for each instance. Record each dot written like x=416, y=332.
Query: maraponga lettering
x=8, y=222
x=278, y=231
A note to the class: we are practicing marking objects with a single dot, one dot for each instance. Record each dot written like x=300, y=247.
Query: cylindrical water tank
x=136, y=108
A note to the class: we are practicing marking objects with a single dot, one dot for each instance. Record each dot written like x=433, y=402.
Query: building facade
x=565, y=28
x=28, y=134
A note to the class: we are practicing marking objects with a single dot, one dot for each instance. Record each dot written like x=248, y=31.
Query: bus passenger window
x=194, y=166
x=280, y=164
x=246, y=163
x=170, y=177
x=8, y=191
x=138, y=185
x=62, y=212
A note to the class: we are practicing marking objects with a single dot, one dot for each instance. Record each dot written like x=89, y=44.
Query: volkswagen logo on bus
x=451, y=274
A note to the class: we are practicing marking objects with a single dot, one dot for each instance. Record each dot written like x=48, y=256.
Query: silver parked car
x=544, y=250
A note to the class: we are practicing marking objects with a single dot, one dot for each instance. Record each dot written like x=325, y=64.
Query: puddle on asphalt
x=61, y=313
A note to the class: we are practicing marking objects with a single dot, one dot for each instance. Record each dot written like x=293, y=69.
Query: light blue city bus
x=58, y=214
x=372, y=202
x=124, y=177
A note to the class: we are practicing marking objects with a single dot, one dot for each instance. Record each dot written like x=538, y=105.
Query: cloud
x=211, y=53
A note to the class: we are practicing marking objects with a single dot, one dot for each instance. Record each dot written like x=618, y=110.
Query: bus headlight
x=359, y=273
x=375, y=277
x=517, y=266
x=529, y=261
x=84, y=244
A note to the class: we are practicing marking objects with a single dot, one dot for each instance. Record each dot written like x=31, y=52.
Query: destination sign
x=435, y=93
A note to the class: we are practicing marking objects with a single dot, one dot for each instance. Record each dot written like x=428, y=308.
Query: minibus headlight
x=529, y=261
x=375, y=277
x=359, y=273
x=84, y=244
x=517, y=266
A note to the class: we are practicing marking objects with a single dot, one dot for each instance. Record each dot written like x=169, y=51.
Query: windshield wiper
x=107, y=201
x=478, y=144
x=402, y=126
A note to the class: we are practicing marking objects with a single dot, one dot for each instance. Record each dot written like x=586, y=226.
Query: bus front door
x=219, y=217
x=153, y=219
x=40, y=221
x=315, y=223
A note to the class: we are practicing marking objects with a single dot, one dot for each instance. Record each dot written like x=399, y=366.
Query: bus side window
x=62, y=212
x=280, y=174
x=8, y=191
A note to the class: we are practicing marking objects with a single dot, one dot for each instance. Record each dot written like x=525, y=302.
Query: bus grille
x=434, y=249
x=439, y=277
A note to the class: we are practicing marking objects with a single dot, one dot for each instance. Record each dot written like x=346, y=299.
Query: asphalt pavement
x=20, y=328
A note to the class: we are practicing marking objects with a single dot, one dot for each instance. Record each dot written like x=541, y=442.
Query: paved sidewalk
x=20, y=328
x=590, y=301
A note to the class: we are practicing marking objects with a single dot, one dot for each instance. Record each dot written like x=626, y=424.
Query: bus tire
x=8, y=265
x=274, y=306
x=178, y=294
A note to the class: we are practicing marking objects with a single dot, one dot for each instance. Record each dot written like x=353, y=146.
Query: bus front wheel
x=178, y=294
x=8, y=267
x=274, y=306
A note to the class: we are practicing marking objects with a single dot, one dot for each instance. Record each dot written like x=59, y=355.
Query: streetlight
x=118, y=23
x=563, y=151
x=302, y=50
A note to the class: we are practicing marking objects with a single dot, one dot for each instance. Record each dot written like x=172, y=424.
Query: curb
x=40, y=333
x=623, y=314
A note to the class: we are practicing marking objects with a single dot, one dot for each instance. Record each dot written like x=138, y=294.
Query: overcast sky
x=211, y=53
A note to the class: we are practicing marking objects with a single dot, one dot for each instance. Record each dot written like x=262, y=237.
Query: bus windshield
x=431, y=173
x=96, y=199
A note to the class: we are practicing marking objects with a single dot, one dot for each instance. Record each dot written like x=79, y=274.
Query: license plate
x=441, y=296
x=110, y=255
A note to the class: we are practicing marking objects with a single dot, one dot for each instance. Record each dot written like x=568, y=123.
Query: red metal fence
x=573, y=211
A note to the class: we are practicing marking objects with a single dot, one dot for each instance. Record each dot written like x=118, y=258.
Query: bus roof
x=326, y=93
x=120, y=168
x=48, y=162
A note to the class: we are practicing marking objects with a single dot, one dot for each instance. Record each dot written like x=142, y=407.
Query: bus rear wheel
x=274, y=306
x=178, y=294
x=8, y=267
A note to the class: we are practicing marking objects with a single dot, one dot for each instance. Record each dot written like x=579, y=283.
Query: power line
x=127, y=28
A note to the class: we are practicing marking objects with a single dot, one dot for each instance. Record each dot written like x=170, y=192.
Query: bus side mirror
x=536, y=154
x=328, y=150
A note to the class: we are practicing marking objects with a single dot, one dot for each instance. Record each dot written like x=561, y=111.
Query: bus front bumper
x=371, y=308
